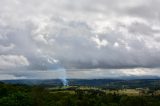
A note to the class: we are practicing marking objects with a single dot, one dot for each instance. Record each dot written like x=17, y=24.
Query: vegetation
x=24, y=95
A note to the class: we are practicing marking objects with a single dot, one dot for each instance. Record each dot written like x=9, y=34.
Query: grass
x=65, y=91
x=129, y=92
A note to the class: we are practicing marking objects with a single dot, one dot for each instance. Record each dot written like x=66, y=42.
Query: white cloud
x=100, y=43
x=12, y=61
x=6, y=48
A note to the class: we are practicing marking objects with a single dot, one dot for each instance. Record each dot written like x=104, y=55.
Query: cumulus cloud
x=79, y=34
x=12, y=61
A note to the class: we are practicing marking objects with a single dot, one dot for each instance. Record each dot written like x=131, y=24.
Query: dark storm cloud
x=79, y=34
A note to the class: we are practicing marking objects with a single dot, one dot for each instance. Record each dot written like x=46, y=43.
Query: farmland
x=43, y=95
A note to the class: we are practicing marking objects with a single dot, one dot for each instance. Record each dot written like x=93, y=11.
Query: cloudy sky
x=79, y=38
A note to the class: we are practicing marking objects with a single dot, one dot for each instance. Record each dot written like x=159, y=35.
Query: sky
x=49, y=39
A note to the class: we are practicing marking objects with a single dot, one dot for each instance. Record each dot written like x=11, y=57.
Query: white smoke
x=63, y=76
x=62, y=71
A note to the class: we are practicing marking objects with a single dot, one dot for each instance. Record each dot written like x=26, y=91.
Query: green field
x=128, y=92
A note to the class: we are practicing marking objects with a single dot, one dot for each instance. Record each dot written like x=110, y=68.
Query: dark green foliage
x=16, y=99
x=22, y=95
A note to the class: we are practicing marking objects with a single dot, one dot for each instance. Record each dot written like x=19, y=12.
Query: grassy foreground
x=23, y=95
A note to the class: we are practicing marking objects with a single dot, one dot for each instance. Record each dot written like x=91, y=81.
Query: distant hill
x=106, y=83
